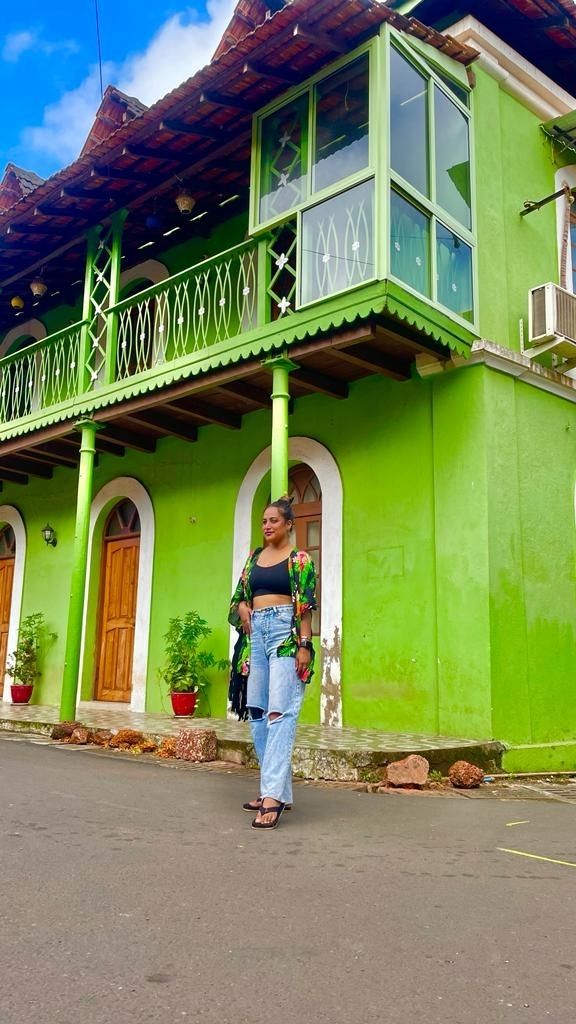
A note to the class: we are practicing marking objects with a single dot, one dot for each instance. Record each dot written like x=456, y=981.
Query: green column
x=79, y=569
x=281, y=367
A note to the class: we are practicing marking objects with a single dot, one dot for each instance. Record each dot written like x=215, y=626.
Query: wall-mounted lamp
x=17, y=302
x=49, y=534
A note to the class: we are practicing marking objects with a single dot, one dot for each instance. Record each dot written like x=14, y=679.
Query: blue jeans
x=273, y=688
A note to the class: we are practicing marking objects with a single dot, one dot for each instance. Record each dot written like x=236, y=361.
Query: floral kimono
x=303, y=585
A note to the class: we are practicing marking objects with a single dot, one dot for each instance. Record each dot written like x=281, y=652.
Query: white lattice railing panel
x=43, y=375
x=210, y=303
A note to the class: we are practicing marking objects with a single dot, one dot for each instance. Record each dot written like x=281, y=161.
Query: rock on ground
x=80, y=735
x=62, y=730
x=410, y=771
x=167, y=748
x=197, y=745
x=464, y=775
x=126, y=738
x=102, y=737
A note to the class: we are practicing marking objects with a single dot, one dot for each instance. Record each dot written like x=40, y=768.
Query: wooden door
x=117, y=618
x=6, y=581
x=307, y=510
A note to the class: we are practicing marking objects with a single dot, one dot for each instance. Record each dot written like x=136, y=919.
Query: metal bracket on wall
x=531, y=205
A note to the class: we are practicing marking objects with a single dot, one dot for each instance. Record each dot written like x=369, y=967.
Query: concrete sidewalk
x=345, y=755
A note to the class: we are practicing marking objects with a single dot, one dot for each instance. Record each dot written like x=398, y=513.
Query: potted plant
x=23, y=664
x=185, y=669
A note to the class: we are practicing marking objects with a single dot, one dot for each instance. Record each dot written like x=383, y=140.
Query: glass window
x=410, y=244
x=342, y=122
x=458, y=90
x=454, y=272
x=408, y=122
x=284, y=159
x=452, y=158
x=338, y=243
x=123, y=520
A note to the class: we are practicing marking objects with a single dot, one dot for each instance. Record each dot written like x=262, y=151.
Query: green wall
x=514, y=162
x=459, y=551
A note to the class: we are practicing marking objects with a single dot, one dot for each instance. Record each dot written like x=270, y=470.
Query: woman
x=273, y=605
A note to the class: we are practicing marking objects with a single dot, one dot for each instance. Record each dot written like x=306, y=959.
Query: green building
x=317, y=265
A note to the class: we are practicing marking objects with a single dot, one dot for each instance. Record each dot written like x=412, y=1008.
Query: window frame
x=436, y=69
x=258, y=227
x=428, y=205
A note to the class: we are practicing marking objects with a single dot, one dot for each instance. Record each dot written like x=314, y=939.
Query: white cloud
x=18, y=43
x=66, y=123
x=182, y=45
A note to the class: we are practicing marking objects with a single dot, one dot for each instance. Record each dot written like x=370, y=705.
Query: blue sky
x=49, y=83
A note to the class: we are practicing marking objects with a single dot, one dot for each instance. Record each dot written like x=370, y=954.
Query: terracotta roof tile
x=17, y=183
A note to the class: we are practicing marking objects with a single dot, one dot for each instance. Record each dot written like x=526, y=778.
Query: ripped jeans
x=273, y=687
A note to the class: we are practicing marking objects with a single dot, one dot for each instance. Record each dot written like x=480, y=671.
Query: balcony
x=235, y=306
x=144, y=338
x=231, y=309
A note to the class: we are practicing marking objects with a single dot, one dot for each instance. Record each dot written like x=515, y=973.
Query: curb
x=324, y=764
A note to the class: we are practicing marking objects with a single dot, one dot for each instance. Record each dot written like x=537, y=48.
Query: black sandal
x=255, y=805
x=277, y=810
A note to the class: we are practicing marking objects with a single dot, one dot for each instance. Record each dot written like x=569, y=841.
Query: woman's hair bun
x=284, y=505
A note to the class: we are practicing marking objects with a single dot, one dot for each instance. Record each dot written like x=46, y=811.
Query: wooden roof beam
x=374, y=360
x=275, y=74
x=125, y=174
x=321, y=40
x=12, y=477
x=54, y=211
x=49, y=460
x=31, y=466
x=148, y=153
x=167, y=426
x=35, y=229
x=232, y=102
x=247, y=392
x=58, y=451
x=207, y=413
x=129, y=438
x=321, y=383
x=202, y=131
x=73, y=192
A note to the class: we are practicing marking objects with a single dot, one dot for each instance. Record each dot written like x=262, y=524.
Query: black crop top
x=270, y=579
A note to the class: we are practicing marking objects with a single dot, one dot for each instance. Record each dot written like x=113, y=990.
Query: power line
x=99, y=47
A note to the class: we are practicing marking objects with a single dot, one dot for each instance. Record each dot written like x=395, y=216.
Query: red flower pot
x=183, y=704
x=21, y=693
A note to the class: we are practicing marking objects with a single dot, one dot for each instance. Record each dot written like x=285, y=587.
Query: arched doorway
x=7, y=564
x=118, y=593
x=306, y=493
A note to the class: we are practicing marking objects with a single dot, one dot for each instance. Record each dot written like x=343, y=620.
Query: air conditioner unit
x=552, y=322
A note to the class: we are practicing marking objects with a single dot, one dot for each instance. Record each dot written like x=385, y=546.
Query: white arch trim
x=315, y=455
x=11, y=516
x=148, y=270
x=33, y=328
x=116, y=490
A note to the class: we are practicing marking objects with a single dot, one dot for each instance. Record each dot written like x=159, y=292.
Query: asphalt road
x=134, y=892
